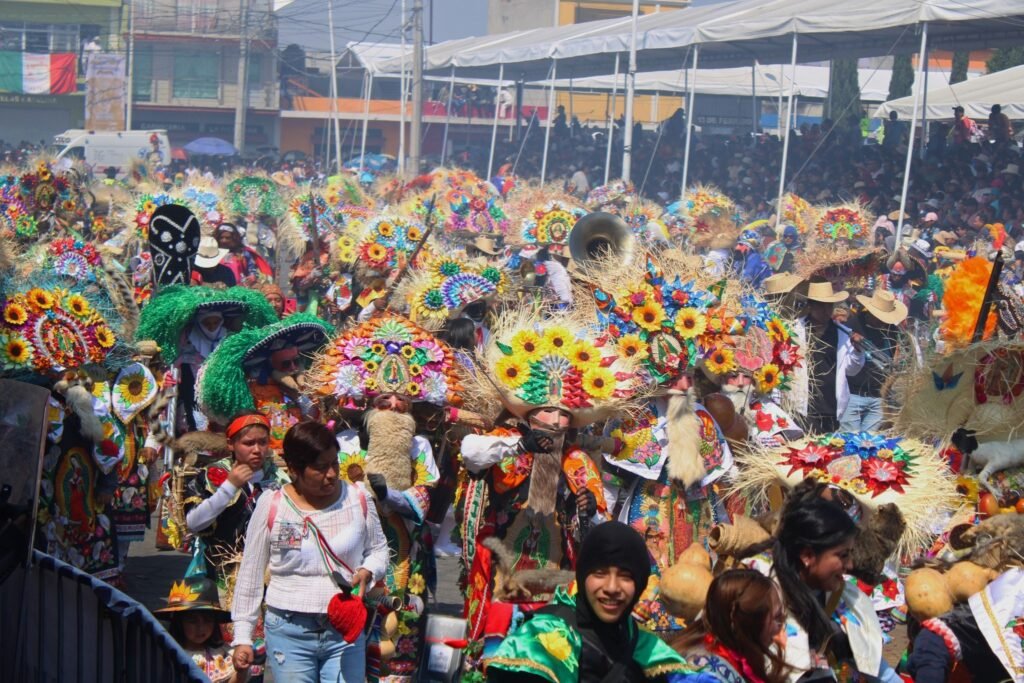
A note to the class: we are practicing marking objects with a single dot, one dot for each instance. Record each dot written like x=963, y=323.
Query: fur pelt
x=80, y=401
x=879, y=535
x=998, y=542
x=683, y=430
x=190, y=446
x=153, y=413
x=391, y=436
x=991, y=456
x=525, y=585
x=544, y=476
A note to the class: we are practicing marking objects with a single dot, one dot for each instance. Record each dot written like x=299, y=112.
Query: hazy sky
x=304, y=22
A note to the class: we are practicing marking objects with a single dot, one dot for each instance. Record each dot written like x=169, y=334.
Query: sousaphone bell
x=601, y=235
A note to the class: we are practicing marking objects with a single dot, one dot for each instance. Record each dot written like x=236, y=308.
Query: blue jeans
x=863, y=414
x=305, y=648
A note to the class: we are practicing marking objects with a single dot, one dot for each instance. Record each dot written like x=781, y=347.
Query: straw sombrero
x=823, y=292
x=884, y=306
x=781, y=283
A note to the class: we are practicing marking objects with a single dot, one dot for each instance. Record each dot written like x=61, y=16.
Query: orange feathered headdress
x=962, y=299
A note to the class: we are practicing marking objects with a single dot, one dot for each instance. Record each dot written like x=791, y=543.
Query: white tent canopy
x=735, y=34
x=976, y=96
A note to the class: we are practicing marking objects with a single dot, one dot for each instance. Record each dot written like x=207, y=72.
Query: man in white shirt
x=579, y=184
x=558, y=285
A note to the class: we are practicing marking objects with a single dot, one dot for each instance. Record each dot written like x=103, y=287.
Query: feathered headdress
x=846, y=223
x=168, y=313
x=387, y=354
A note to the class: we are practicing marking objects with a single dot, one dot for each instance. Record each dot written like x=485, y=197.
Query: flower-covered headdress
x=705, y=209
x=387, y=354
x=798, y=213
x=475, y=214
x=446, y=286
x=875, y=468
x=47, y=330
x=74, y=259
x=223, y=383
x=167, y=314
x=765, y=348
x=385, y=243
x=645, y=220
x=843, y=223
x=251, y=195
x=611, y=198
x=558, y=363
x=551, y=223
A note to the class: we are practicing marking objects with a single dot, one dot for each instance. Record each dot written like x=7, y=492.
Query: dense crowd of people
x=709, y=437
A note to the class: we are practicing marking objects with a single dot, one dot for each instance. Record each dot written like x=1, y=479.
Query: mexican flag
x=38, y=74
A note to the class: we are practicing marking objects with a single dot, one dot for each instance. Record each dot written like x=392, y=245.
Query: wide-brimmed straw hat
x=781, y=283
x=722, y=241
x=487, y=245
x=823, y=292
x=884, y=306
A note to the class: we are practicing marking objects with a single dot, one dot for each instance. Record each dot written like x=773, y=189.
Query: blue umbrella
x=211, y=147
x=377, y=163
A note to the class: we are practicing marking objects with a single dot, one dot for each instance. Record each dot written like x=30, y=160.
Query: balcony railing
x=60, y=624
x=191, y=17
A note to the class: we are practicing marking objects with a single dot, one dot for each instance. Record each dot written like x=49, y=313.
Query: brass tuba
x=600, y=235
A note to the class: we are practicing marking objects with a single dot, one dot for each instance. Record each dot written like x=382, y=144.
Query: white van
x=102, y=149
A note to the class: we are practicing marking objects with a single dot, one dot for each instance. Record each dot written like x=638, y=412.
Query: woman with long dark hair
x=831, y=624
x=735, y=640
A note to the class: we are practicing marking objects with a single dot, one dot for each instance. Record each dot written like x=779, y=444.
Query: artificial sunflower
x=104, y=336
x=557, y=340
x=583, y=354
x=370, y=365
x=40, y=298
x=417, y=584
x=15, y=314
x=386, y=229
x=149, y=207
x=17, y=351
x=376, y=252
x=408, y=351
x=413, y=388
x=77, y=304
x=378, y=349
x=512, y=371
x=370, y=384
x=413, y=234
x=526, y=342
x=721, y=361
x=632, y=346
x=690, y=323
x=347, y=255
x=415, y=370
x=768, y=377
x=649, y=316
x=777, y=330
x=599, y=383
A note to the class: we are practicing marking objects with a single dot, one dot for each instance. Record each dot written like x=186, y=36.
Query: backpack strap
x=275, y=502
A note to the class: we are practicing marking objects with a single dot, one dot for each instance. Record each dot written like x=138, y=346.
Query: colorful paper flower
x=768, y=378
x=17, y=351
x=599, y=383
x=690, y=323
x=649, y=316
x=15, y=314
x=104, y=336
x=556, y=340
x=632, y=346
x=78, y=306
x=40, y=298
x=512, y=371
x=721, y=361
x=526, y=342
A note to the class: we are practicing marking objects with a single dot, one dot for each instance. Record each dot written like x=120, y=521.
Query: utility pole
x=416, y=141
x=242, y=97
x=129, y=96
x=334, y=86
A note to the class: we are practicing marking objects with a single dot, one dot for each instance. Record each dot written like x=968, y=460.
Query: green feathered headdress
x=223, y=379
x=168, y=313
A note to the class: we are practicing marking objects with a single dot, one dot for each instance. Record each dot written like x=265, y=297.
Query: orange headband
x=240, y=423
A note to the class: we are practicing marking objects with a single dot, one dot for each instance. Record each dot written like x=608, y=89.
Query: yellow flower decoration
x=556, y=644
x=632, y=346
x=417, y=584
x=767, y=377
x=149, y=207
x=370, y=365
x=721, y=361
x=413, y=234
x=78, y=305
x=968, y=486
x=690, y=323
x=15, y=314
x=599, y=383
x=512, y=371
x=104, y=337
x=583, y=354
x=370, y=384
x=777, y=330
x=413, y=389
x=415, y=370
x=378, y=349
x=346, y=242
x=17, y=351
x=385, y=229
x=557, y=340
x=376, y=252
x=347, y=255
x=526, y=342
x=649, y=316
x=40, y=298
x=407, y=351
x=181, y=592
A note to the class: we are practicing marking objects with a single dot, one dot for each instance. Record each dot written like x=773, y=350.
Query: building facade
x=35, y=29
x=185, y=69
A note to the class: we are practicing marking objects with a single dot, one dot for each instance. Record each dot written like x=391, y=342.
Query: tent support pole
x=611, y=122
x=366, y=123
x=924, y=108
x=793, y=115
x=551, y=120
x=447, y=116
x=627, y=134
x=691, y=87
x=785, y=143
x=913, y=129
x=753, y=100
x=494, y=127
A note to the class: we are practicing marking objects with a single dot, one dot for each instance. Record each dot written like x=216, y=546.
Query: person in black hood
x=612, y=571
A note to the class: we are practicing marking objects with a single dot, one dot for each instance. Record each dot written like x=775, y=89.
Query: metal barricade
x=60, y=624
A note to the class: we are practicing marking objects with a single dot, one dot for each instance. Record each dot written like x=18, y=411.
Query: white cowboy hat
x=884, y=306
x=209, y=253
x=1011, y=169
x=823, y=292
x=781, y=283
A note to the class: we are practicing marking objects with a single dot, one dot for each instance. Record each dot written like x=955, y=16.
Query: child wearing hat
x=194, y=615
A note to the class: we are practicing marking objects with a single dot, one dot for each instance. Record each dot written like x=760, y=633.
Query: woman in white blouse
x=302, y=646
